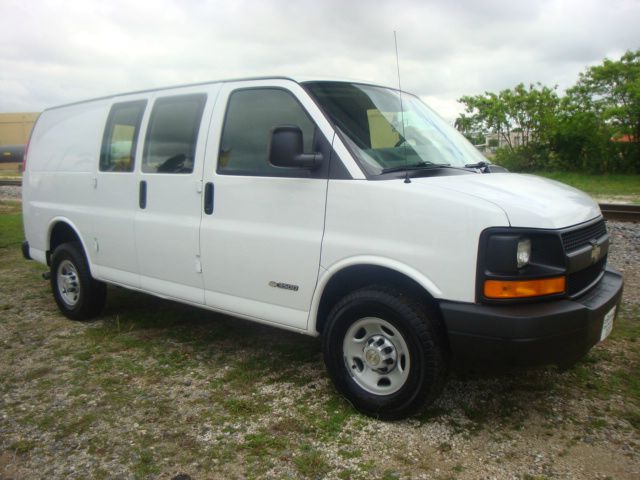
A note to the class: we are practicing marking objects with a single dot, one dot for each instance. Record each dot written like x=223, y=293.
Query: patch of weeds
x=46, y=422
x=390, y=475
x=432, y=414
x=627, y=325
x=22, y=446
x=445, y=447
x=457, y=426
x=220, y=454
x=403, y=458
x=242, y=407
x=145, y=464
x=336, y=413
x=37, y=373
x=349, y=454
x=311, y=463
x=243, y=375
x=303, y=350
x=633, y=418
x=262, y=444
x=77, y=426
x=598, y=423
x=476, y=415
x=287, y=426
x=346, y=474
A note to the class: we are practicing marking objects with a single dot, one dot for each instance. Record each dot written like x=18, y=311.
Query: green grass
x=598, y=185
x=311, y=462
x=22, y=446
x=11, y=232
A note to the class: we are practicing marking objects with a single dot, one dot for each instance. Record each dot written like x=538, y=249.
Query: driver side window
x=170, y=145
x=251, y=116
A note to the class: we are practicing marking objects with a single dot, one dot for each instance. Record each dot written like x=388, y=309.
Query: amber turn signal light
x=523, y=288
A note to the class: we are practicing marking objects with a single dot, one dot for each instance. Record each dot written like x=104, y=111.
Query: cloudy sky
x=53, y=52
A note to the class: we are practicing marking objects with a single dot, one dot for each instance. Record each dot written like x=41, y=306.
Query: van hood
x=527, y=200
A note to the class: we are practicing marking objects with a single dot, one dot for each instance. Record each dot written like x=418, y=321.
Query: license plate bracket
x=607, y=323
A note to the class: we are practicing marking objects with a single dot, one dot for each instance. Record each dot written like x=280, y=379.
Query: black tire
x=422, y=335
x=81, y=297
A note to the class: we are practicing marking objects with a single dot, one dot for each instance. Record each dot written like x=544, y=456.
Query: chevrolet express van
x=339, y=209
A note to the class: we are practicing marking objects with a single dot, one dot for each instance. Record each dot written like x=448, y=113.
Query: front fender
x=327, y=274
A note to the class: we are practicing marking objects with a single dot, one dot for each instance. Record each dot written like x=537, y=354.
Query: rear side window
x=121, y=136
x=251, y=116
x=170, y=145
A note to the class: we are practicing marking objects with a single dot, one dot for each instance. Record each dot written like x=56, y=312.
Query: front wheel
x=385, y=352
x=78, y=295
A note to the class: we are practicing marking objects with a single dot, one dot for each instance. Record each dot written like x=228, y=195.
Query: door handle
x=142, y=195
x=208, y=198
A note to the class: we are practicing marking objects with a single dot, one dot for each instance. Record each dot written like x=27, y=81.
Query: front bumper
x=555, y=332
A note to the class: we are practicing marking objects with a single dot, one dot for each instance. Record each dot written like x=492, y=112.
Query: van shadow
x=469, y=401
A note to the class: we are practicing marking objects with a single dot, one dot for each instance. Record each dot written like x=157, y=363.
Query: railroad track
x=4, y=183
x=611, y=211
x=625, y=213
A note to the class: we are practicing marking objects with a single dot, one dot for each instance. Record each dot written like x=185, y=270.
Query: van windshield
x=386, y=137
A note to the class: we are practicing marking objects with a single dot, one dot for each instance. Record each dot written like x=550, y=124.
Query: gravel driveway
x=155, y=389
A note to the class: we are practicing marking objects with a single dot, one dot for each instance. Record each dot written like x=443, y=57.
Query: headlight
x=520, y=263
x=523, y=253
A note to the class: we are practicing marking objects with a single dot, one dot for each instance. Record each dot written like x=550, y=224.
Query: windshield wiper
x=481, y=165
x=416, y=166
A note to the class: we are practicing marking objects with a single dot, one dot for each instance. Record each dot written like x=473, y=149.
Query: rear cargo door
x=116, y=186
x=170, y=193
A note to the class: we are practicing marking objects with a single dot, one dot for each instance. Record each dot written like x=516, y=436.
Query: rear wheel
x=385, y=352
x=78, y=295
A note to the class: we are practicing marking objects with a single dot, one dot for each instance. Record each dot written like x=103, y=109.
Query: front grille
x=578, y=281
x=583, y=236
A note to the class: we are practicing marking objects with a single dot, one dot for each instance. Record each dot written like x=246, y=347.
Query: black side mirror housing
x=286, y=149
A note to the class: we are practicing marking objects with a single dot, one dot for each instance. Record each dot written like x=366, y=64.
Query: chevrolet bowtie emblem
x=595, y=251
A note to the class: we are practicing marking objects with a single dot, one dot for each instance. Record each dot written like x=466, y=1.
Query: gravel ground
x=625, y=256
x=10, y=192
x=208, y=396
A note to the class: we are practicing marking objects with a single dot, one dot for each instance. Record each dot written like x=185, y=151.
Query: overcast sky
x=53, y=52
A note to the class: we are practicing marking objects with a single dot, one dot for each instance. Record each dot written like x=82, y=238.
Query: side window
x=170, y=145
x=121, y=136
x=251, y=116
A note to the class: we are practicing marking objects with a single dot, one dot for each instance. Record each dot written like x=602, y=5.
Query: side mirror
x=286, y=149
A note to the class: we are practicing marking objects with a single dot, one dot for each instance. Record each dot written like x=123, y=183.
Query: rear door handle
x=208, y=198
x=142, y=195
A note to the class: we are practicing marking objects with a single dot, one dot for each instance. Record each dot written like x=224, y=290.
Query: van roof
x=298, y=79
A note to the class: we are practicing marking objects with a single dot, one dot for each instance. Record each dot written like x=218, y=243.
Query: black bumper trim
x=555, y=332
x=25, y=250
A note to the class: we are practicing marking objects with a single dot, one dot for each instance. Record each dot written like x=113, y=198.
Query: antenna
x=404, y=147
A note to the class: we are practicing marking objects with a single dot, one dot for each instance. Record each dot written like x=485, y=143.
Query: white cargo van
x=325, y=208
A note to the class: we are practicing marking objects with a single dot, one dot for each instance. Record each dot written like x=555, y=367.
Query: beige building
x=16, y=127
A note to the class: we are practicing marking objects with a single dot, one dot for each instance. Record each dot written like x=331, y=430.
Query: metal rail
x=624, y=213
x=15, y=183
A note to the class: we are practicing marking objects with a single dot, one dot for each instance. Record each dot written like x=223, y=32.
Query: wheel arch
x=349, y=275
x=62, y=230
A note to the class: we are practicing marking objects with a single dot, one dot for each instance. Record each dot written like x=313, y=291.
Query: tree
x=612, y=92
x=520, y=116
x=594, y=127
